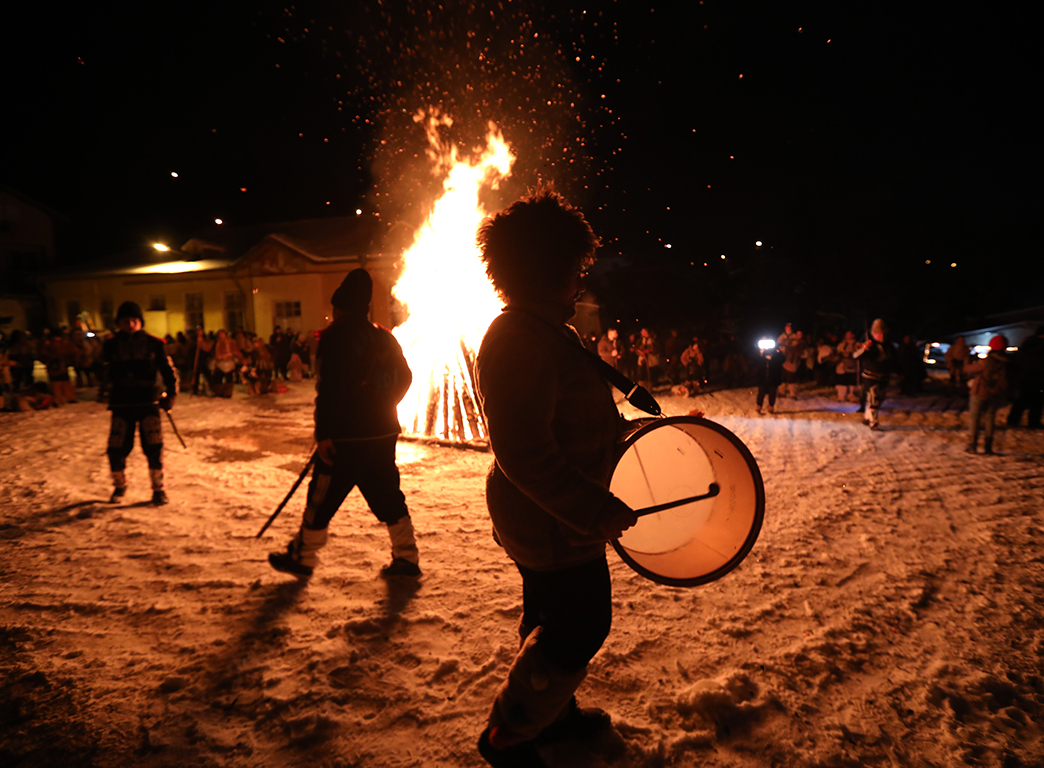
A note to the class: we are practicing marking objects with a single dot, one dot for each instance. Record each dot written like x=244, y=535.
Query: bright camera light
x=757, y=243
x=160, y=247
x=766, y=344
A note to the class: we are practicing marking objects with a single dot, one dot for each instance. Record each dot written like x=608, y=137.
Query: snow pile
x=890, y=613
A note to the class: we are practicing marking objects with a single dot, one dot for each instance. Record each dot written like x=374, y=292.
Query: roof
x=337, y=238
x=330, y=240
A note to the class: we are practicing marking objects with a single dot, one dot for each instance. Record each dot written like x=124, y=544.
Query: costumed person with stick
x=361, y=375
x=877, y=359
x=553, y=428
x=131, y=362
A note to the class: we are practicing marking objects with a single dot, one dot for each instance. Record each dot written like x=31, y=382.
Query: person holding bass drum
x=554, y=429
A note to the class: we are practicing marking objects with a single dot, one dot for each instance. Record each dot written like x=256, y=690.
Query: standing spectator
x=826, y=359
x=647, y=351
x=877, y=357
x=910, y=362
x=281, y=353
x=227, y=358
x=987, y=393
x=785, y=338
x=793, y=359
x=57, y=355
x=22, y=355
x=300, y=348
x=846, y=369
x=769, y=372
x=957, y=357
x=692, y=362
x=609, y=348
x=1028, y=376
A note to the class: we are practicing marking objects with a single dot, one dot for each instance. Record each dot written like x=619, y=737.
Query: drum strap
x=635, y=394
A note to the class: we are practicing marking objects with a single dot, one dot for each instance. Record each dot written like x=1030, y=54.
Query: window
x=287, y=310
x=233, y=311
x=157, y=303
x=193, y=311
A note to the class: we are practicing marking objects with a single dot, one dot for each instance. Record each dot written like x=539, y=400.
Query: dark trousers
x=765, y=389
x=1031, y=400
x=121, y=436
x=369, y=464
x=574, y=608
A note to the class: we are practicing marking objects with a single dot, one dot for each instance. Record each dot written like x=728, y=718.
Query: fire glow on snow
x=444, y=286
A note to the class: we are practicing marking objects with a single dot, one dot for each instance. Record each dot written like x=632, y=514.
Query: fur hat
x=998, y=342
x=129, y=309
x=355, y=292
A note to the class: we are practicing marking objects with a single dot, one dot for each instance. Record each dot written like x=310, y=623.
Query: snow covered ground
x=889, y=615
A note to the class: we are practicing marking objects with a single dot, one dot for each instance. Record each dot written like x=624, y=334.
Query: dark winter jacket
x=553, y=427
x=877, y=360
x=769, y=369
x=131, y=363
x=361, y=377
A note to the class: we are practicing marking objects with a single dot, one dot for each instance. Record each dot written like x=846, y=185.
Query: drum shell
x=663, y=460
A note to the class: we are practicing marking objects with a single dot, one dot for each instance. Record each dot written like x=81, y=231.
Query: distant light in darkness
x=160, y=247
x=757, y=243
x=218, y=221
x=175, y=175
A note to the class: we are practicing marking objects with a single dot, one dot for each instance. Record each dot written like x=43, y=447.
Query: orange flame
x=444, y=286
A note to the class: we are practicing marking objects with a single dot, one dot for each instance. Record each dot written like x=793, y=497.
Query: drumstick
x=712, y=491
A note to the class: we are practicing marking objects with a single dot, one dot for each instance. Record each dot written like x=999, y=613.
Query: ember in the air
x=445, y=288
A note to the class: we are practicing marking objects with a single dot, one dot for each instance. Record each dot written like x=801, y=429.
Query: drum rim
x=759, y=503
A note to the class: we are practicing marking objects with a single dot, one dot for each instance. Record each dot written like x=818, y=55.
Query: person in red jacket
x=361, y=377
x=553, y=428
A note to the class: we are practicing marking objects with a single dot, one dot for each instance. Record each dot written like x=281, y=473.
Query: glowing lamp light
x=218, y=221
x=764, y=344
x=173, y=175
x=953, y=263
x=723, y=255
x=667, y=245
x=358, y=211
x=757, y=243
x=160, y=247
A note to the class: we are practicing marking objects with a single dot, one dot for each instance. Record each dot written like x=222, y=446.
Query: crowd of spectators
x=47, y=371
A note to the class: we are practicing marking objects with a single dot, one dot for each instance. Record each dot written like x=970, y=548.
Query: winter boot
x=576, y=722
x=772, y=409
x=159, y=496
x=534, y=695
x=119, y=481
x=987, y=446
x=522, y=755
x=302, y=553
x=405, y=557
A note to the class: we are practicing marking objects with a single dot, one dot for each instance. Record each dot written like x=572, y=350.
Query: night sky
x=856, y=141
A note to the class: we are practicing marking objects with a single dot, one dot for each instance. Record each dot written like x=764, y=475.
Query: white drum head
x=700, y=540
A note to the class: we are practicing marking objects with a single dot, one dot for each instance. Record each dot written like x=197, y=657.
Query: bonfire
x=445, y=289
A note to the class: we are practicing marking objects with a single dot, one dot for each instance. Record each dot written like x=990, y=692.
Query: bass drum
x=699, y=496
